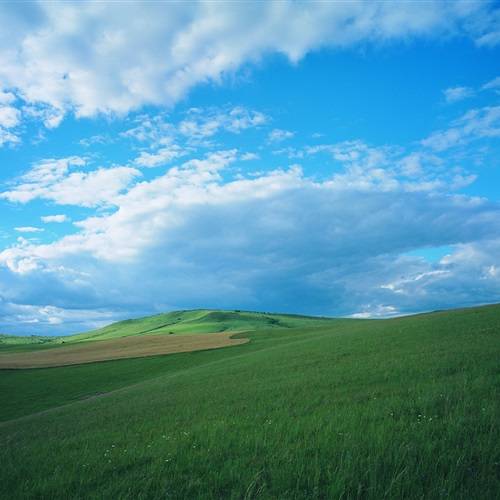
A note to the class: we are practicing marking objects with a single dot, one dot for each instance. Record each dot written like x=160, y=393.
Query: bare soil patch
x=127, y=347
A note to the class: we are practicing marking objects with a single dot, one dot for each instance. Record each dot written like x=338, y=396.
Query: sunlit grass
x=403, y=408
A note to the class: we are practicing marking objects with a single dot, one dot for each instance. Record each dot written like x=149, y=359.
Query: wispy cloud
x=59, y=218
x=53, y=180
x=249, y=156
x=455, y=94
x=492, y=84
x=160, y=157
x=473, y=125
x=28, y=229
x=58, y=65
x=201, y=124
x=278, y=135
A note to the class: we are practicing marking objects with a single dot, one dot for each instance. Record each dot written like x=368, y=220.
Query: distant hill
x=177, y=322
x=199, y=321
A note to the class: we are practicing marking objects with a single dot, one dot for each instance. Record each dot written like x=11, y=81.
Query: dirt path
x=127, y=347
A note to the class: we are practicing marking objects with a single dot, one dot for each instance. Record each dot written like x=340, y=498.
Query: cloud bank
x=186, y=222
x=278, y=240
x=98, y=57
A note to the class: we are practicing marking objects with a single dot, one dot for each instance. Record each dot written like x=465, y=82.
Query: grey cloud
x=305, y=249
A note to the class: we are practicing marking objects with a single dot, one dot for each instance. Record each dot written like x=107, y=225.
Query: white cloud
x=376, y=311
x=278, y=135
x=50, y=116
x=54, y=218
x=475, y=124
x=249, y=156
x=53, y=180
x=455, y=94
x=211, y=164
x=198, y=235
x=42, y=318
x=6, y=97
x=155, y=130
x=160, y=157
x=492, y=84
x=28, y=229
x=97, y=57
x=190, y=237
x=95, y=139
x=201, y=123
x=388, y=168
x=9, y=116
x=487, y=27
x=7, y=137
x=240, y=118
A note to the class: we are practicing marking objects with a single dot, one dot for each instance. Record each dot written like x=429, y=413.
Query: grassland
x=400, y=408
x=15, y=343
x=176, y=322
x=199, y=321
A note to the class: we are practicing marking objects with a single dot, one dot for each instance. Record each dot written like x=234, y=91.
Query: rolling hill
x=401, y=408
x=176, y=322
x=199, y=321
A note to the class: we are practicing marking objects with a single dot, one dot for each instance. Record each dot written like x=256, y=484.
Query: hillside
x=175, y=322
x=178, y=331
x=199, y=321
x=400, y=408
x=18, y=343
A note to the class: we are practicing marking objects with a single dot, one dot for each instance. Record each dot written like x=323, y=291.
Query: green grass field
x=177, y=322
x=309, y=408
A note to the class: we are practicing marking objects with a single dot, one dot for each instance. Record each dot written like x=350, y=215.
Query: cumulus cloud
x=6, y=97
x=96, y=57
x=50, y=116
x=53, y=180
x=160, y=157
x=9, y=116
x=211, y=232
x=279, y=240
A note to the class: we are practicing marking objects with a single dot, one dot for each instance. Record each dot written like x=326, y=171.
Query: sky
x=325, y=158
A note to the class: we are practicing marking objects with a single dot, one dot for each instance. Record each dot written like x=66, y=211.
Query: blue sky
x=322, y=158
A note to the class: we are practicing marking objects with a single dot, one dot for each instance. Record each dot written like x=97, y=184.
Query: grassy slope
x=177, y=322
x=198, y=321
x=14, y=343
x=402, y=408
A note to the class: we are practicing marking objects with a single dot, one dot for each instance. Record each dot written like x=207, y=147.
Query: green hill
x=401, y=408
x=199, y=321
x=18, y=343
x=176, y=322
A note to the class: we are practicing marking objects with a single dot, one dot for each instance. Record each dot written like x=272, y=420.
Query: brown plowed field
x=127, y=347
